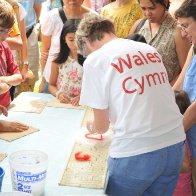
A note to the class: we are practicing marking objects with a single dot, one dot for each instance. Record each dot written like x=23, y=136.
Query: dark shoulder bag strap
x=62, y=14
x=140, y=25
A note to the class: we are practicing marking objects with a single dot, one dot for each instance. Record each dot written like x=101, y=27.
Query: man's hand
x=6, y=126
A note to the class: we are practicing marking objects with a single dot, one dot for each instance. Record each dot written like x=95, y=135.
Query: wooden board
x=57, y=104
x=2, y=156
x=10, y=136
x=86, y=174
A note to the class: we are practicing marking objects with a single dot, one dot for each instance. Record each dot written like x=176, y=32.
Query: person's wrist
x=9, y=85
x=26, y=63
x=57, y=94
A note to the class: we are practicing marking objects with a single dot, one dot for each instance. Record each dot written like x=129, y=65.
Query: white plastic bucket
x=15, y=193
x=28, y=171
x=2, y=173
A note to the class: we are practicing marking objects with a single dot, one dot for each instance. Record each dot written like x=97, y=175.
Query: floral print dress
x=70, y=78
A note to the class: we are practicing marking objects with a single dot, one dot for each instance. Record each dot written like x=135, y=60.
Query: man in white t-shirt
x=125, y=83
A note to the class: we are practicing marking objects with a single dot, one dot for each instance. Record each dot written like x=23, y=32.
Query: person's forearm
x=12, y=80
x=38, y=8
x=179, y=83
x=46, y=43
x=53, y=90
x=174, y=81
x=25, y=66
x=44, y=57
x=101, y=120
x=190, y=116
x=4, y=88
x=24, y=40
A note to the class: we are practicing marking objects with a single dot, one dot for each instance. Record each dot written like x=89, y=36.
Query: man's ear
x=89, y=45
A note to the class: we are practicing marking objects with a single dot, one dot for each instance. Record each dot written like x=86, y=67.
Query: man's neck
x=108, y=37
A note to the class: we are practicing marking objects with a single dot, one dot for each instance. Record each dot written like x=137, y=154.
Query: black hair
x=81, y=59
x=187, y=9
x=182, y=100
x=70, y=26
x=137, y=37
x=164, y=3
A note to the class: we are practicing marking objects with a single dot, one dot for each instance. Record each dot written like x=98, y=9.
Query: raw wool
x=22, y=104
x=83, y=136
x=98, y=142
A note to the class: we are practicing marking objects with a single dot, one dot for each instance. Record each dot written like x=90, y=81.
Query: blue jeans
x=150, y=174
x=45, y=90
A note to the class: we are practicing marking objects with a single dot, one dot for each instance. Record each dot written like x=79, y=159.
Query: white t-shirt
x=52, y=25
x=129, y=79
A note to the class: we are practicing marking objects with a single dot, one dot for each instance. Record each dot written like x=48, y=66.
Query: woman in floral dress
x=66, y=72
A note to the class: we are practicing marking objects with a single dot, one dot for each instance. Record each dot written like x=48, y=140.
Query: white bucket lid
x=15, y=193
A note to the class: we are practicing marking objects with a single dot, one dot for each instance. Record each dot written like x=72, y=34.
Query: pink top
x=183, y=187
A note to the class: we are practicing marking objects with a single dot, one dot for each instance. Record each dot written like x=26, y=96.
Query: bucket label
x=31, y=178
x=27, y=182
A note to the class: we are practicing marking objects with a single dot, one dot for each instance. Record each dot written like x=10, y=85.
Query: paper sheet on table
x=86, y=174
x=2, y=156
x=22, y=104
x=10, y=136
x=57, y=104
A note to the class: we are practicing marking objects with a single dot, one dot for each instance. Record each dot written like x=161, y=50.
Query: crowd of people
x=133, y=62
